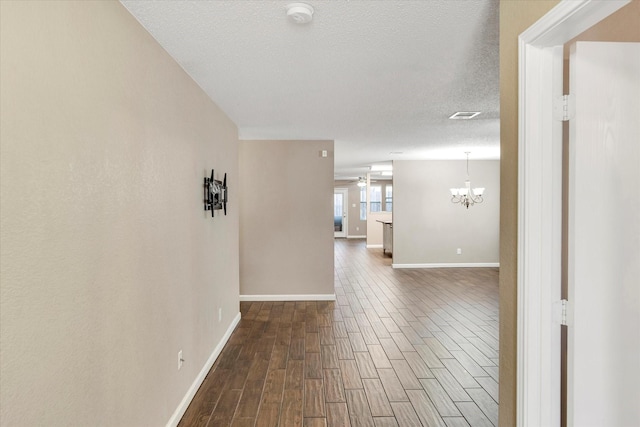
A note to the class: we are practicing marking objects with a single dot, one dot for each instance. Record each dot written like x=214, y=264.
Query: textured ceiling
x=378, y=77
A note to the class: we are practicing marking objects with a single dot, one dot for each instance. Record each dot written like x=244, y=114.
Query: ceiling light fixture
x=299, y=13
x=362, y=182
x=466, y=196
x=464, y=115
x=379, y=168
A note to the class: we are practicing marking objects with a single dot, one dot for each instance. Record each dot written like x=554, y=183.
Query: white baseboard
x=356, y=237
x=374, y=246
x=186, y=400
x=305, y=297
x=449, y=265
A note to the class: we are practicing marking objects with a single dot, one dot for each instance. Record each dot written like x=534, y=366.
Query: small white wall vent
x=299, y=13
x=464, y=115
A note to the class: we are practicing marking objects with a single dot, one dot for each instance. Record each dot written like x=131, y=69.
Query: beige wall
x=357, y=227
x=109, y=264
x=375, y=228
x=428, y=228
x=286, y=218
x=621, y=26
x=515, y=17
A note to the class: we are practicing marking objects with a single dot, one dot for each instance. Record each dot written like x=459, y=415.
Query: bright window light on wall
x=381, y=168
x=363, y=203
x=375, y=198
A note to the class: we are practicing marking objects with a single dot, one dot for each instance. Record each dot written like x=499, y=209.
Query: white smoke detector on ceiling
x=300, y=13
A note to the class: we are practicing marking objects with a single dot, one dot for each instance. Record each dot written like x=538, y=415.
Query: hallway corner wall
x=286, y=219
x=110, y=265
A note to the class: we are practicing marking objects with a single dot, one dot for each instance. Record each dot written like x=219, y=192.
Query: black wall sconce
x=215, y=194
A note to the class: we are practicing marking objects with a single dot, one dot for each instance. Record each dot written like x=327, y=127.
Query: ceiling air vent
x=464, y=115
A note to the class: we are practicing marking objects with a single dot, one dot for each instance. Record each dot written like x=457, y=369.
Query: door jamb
x=540, y=61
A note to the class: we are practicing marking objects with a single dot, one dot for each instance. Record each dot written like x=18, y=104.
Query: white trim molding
x=186, y=400
x=304, y=297
x=356, y=237
x=374, y=246
x=540, y=67
x=449, y=265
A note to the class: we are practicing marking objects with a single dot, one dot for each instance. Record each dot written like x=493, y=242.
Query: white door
x=340, y=210
x=603, y=359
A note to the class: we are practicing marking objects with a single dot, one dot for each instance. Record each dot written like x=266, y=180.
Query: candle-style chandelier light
x=467, y=196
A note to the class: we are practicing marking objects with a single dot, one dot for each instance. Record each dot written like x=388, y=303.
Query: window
x=363, y=203
x=388, y=198
x=375, y=195
x=337, y=205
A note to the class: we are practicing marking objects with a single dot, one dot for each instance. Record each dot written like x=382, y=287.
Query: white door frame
x=345, y=208
x=540, y=76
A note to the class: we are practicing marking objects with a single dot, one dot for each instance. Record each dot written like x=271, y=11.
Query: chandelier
x=465, y=195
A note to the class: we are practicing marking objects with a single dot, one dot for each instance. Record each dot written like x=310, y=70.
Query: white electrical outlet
x=357, y=228
x=180, y=360
x=219, y=314
x=459, y=251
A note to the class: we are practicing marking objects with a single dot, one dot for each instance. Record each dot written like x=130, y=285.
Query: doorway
x=540, y=312
x=340, y=212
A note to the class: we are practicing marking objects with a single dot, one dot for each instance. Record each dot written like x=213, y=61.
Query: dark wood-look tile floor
x=396, y=348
